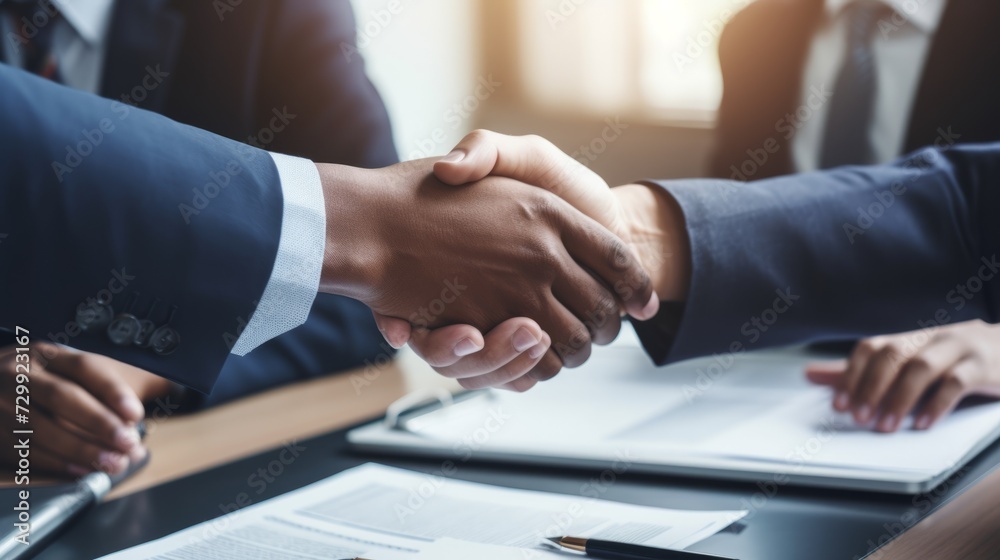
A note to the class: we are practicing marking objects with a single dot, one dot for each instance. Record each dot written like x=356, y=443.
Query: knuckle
x=469, y=384
x=919, y=366
x=479, y=135
x=892, y=353
x=546, y=205
x=619, y=255
x=537, y=142
x=549, y=367
x=867, y=347
x=953, y=381
x=441, y=365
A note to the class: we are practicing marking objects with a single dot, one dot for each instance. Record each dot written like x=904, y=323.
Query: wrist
x=352, y=254
x=656, y=232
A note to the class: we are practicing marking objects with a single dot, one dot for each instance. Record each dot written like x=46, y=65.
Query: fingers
x=66, y=400
x=520, y=385
x=512, y=371
x=101, y=377
x=504, y=345
x=396, y=331
x=612, y=262
x=548, y=367
x=591, y=302
x=856, y=364
x=510, y=351
x=917, y=376
x=571, y=339
x=72, y=450
x=954, y=386
x=529, y=159
x=446, y=346
x=829, y=374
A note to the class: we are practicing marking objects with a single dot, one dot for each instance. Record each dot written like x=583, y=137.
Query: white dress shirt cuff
x=291, y=290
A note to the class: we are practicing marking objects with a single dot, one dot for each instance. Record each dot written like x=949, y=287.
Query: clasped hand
x=508, y=237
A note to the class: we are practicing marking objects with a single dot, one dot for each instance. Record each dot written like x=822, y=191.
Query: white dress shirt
x=79, y=44
x=900, y=48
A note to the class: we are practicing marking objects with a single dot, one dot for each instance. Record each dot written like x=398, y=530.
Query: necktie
x=34, y=24
x=847, y=140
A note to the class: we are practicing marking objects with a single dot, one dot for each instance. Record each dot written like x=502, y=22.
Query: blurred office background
x=564, y=69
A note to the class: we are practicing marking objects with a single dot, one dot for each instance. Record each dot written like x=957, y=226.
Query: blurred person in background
x=270, y=74
x=817, y=84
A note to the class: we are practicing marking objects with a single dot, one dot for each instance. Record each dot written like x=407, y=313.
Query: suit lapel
x=143, y=42
x=959, y=78
x=763, y=58
x=801, y=22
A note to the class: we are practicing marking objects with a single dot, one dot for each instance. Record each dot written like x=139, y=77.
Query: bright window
x=654, y=58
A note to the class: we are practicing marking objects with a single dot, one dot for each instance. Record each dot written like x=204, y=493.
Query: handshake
x=502, y=262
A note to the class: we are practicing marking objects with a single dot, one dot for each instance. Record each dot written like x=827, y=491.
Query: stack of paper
x=747, y=416
x=382, y=513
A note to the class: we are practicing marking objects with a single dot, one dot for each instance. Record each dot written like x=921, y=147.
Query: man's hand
x=84, y=409
x=927, y=372
x=413, y=248
x=646, y=218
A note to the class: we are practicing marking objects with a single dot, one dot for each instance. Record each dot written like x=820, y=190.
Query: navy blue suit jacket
x=843, y=254
x=271, y=74
x=89, y=204
x=762, y=54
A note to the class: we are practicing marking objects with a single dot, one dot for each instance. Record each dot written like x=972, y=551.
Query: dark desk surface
x=794, y=523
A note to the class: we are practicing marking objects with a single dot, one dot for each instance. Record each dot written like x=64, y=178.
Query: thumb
x=396, y=331
x=535, y=161
x=528, y=159
x=826, y=373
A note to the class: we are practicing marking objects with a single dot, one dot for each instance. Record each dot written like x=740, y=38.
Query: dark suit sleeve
x=311, y=65
x=93, y=203
x=848, y=253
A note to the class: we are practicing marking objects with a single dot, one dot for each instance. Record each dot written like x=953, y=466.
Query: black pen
x=622, y=551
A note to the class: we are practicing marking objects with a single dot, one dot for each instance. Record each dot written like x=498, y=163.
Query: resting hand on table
x=83, y=409
x=926, y=373
x=645, y=218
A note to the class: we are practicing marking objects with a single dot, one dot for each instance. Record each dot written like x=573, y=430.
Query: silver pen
x=60, y=511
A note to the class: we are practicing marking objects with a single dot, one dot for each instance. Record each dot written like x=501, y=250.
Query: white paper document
x=382, y=513
x=750, y=416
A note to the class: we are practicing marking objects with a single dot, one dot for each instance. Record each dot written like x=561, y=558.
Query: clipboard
x=767, y=425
